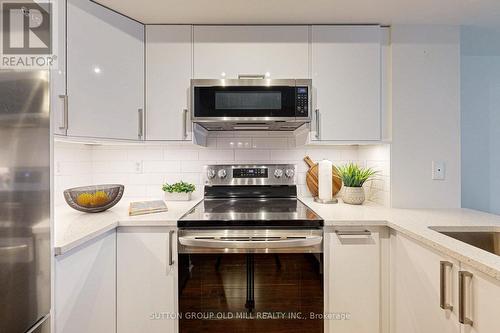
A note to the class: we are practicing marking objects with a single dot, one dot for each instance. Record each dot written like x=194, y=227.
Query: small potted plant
x=353, y=178
x=180, y=191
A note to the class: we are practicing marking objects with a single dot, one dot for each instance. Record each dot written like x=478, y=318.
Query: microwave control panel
x=301, y=101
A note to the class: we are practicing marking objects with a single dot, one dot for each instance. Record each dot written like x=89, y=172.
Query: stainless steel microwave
x=251, y=104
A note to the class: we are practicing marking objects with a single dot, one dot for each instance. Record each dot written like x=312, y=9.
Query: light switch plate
x=138, y=167
x=438, y=170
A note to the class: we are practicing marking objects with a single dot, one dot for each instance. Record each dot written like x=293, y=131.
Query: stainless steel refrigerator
x=24, y=202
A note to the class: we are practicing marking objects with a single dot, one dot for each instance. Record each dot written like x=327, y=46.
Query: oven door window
x=253, y=102
x=242, y=292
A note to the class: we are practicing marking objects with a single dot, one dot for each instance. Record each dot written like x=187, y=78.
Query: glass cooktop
x=251, y=212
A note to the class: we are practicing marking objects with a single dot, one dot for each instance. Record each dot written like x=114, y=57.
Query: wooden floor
x=291, y=288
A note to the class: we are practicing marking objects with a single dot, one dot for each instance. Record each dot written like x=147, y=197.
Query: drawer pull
x=443, y=265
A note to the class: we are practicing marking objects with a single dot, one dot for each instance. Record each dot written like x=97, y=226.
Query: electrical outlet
x=138, y=167
x=58, y=169
x=438, y=170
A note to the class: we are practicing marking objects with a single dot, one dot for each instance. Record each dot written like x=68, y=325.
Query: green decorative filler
x=354, y=176
x=180, y=187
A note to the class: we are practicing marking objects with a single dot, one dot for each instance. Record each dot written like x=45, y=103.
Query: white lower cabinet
x=85, y=288
x=481, y=302
x=416, y=288
x=147, y=280
x=355, y=275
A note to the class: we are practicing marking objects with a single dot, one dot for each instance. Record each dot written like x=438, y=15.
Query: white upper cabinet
x=346, y=74
x=58, y=74
x=281, y=51
x=105, y=72
x=168, y=75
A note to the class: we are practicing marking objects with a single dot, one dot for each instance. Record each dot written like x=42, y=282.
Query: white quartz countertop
x=73, y=228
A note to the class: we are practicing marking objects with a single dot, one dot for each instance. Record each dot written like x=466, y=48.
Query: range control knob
x=211, y=173
x=222, y=173
x=289, y=173
x=278, y=173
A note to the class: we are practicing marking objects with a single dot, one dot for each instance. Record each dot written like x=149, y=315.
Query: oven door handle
x=250, y=242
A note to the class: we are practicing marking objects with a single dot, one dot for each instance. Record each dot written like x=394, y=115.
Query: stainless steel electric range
x=250, y=254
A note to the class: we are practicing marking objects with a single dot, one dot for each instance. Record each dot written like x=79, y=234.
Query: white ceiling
x=473, y=12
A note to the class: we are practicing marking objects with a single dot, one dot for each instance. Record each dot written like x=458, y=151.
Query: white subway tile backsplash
x=287, y=155
x=142, y=154
x=180, y=155
x=301, y=178
x=137, y=191
x=154, y=191
x=113, y=167
x=192, y=166
x=143, y=169
x=110, y=178
x=251, y=155
x=319, y=154
x=216, y=155
x=192, y=177
x=161, y=166
x=68, y=168
x=105, y=154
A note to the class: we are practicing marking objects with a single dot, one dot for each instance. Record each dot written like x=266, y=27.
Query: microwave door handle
x=251, y=76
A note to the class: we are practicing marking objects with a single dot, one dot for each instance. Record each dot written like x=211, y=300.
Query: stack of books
x=147, y=207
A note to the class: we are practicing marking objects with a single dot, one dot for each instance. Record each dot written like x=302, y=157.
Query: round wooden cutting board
x=312, y=178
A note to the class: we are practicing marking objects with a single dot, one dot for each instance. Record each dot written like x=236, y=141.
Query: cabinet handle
x=463, y=299
x=64, y=125
x=317, y=124
x=184, y=123
x=443, y=285
x=170, y=248
x=353, y=232
x=140, y=130
x=251, y=76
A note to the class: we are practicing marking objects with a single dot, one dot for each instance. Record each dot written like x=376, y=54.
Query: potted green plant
x=180, y=191
x=353, y=178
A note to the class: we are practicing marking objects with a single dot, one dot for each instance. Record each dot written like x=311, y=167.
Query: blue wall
x=480, y=123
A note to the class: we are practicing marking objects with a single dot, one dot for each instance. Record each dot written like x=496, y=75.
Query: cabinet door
x=482, y=300
x=58, y=74
x=147, y=280
x=85, y=288
x=168, y=75
x=281, y=51
x=353, y=281
x=346, y=74
x=416, y=289
x=105, y=78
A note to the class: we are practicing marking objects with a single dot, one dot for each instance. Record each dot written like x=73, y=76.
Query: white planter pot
x=177, y=196
x=353, y=195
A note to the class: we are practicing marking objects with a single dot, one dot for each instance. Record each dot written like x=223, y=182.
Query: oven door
x=250, y=281
x=243, y=100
